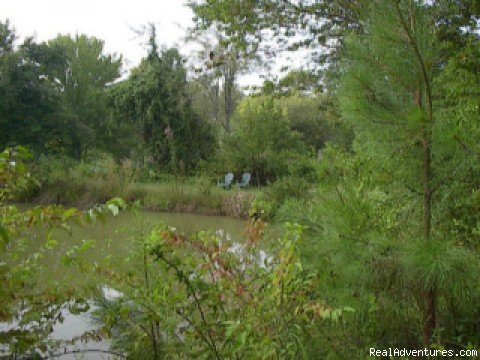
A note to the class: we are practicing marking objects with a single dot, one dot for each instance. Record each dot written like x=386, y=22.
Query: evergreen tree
x=388, y=97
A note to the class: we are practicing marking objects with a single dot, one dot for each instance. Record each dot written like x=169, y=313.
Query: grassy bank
x=84, y=184
x=189, y=195
x=193, y=196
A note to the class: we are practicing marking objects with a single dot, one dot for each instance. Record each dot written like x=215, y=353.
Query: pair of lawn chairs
x=227, y=183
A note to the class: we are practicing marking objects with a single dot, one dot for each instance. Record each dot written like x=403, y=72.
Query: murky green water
x=113, y=240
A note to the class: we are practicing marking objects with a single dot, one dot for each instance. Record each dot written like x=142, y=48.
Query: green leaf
x=68, y=214
x=243, y=338
x=119, y=202
x=51, y=244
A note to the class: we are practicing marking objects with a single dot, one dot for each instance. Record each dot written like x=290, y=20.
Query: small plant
x=206, y=296
x=238, y=204
x=261, y=209
x=265, y=206
x=288, y=187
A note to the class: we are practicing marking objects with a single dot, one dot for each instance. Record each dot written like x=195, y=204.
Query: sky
x=111, y=21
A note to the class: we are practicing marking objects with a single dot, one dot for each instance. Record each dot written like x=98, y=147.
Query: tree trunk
x=430, y=309
x=229, y=83
x=429, y=321
x=216, y=101
x=429, y=318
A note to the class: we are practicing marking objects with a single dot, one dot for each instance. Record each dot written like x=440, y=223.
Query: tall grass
x=198, y=195
x=82, y=184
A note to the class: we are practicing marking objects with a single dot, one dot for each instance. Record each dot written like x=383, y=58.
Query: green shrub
x=232, y=301
x=304, y=167
x=266, y=205
x=287, y=187
x=262, y=141
x=65, y=181
x=261, y=209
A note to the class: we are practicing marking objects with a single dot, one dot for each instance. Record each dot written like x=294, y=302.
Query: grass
x=84, y=184
x=87, y=183
x=193, y=196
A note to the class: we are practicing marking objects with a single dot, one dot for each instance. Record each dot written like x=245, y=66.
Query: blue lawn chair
x=246, y=177
x=227, y=182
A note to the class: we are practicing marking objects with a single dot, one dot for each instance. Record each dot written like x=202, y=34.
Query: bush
x=304, y=167
x=210, y=297
x=262, y=141
x=96, y=180
x=261, y=209
x=267, y=204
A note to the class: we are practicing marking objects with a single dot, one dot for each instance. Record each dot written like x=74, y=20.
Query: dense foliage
x=28, y=307
x=155, y=101
x=54, y=93
x=363, y=209
x=206, y=297
x=263, y=141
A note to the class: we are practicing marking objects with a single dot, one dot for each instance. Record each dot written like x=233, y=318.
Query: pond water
x=112, y=239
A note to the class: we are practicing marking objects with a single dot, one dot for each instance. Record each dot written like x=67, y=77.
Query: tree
x=262, y=141
x=457, y=98
x=251, y=25
x=229, y=69
x=388, y=96
x=317, y=119
x=206, y=98
x=54, y=93
x=311, y=112
x=294, y=82
x=320, y=27
x=33, y=306
x=214, y=89
x=7, y=38
x=29, y=97
x=155, y=100
x=83, y=78
x=456, y=21
x=218, y=66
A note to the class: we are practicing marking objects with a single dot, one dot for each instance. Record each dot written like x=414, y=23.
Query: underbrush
x=82, y=184
x=285, y=189
x=60, y=180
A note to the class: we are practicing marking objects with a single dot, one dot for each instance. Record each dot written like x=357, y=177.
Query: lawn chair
x=246, y=177
x=228, y=181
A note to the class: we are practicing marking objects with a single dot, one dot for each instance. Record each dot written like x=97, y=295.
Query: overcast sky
x=108, y=20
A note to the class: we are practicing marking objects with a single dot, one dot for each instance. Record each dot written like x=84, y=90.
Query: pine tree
x=388, y=97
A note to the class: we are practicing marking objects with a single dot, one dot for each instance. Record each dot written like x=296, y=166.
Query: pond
x=113, y=239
